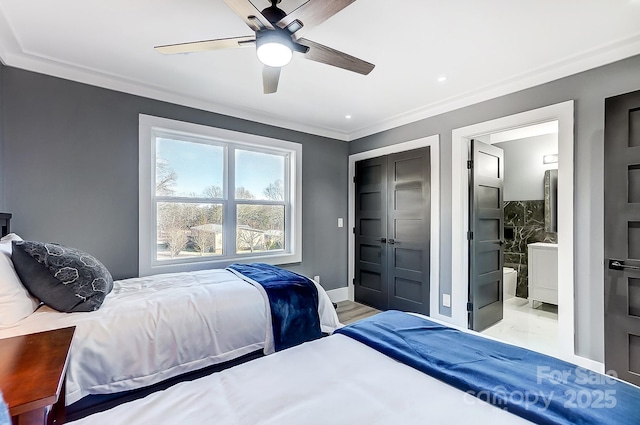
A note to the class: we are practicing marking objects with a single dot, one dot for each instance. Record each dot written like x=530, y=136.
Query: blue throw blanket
x=539, y=388
x=293, y=300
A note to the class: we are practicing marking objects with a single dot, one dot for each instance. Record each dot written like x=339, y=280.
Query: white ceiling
x=485, y=48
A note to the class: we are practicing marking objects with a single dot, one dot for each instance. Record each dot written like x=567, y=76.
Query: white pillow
x=5, y=243
x=15, y=302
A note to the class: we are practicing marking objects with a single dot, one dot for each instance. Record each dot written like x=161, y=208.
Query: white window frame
x=151, y=127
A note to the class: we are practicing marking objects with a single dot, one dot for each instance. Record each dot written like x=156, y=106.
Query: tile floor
x=535, y=329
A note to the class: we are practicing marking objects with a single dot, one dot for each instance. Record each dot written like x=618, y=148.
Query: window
x=210, y=197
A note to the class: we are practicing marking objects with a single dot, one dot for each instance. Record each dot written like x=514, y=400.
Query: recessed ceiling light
x=348, y=117
x=442, y=79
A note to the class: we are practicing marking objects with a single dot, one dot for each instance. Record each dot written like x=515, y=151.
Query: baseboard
x=338, y=294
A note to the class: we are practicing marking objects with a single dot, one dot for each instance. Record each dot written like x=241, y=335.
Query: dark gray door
x=409, y=232
x=622, y=236
x=370, y=283
x=392, y=231
x=486, y=235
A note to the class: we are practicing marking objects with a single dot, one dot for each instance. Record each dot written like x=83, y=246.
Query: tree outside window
x=191, y=207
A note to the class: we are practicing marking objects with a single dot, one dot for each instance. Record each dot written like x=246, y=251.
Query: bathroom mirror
x=551, y=201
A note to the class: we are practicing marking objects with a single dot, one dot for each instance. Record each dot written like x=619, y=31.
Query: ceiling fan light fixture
x=274, y=48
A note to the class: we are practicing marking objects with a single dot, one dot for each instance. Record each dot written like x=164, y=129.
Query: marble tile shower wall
x=527, y=220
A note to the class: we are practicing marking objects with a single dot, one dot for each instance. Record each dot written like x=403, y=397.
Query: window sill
x=173, y=267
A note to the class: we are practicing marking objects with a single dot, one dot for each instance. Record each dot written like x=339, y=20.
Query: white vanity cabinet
x=543, y=273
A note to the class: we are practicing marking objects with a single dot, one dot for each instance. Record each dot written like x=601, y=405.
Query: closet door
x=392, y=232
x=370, y=282
x=409, y=230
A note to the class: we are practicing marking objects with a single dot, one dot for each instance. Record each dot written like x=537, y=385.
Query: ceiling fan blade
x=323, y=54
x=270, y=78
x=199, y=46
x=249, y=14
x=312, y=13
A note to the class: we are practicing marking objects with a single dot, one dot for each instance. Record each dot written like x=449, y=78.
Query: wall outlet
x=317, y=279
x=446, y=300
x=340, y=222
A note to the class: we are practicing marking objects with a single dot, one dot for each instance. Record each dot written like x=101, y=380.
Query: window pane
x=189, y=230
x=188, y=169
x=259, y=176
x=260, y=228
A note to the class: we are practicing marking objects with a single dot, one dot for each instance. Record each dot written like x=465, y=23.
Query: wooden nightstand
x=32, y=372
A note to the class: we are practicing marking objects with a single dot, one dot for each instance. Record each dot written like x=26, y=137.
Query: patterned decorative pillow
x=63, y=278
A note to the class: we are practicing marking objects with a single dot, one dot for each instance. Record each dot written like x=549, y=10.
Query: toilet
x=510, y=278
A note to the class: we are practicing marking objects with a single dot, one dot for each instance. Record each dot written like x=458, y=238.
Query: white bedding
x=335, y=380
x=153, y=328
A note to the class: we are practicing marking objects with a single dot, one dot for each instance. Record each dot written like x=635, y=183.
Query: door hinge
x=469, y=164
x=354, y=230
x=354, y=282
x=469, y=236
x=469, y=307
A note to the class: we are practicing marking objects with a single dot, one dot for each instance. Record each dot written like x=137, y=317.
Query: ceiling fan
x=278, y=35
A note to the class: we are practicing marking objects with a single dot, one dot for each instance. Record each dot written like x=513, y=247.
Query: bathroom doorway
x=529, y=237
x=563, y=113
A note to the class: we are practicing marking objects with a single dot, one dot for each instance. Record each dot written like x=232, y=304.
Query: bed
x=152, y=329
x=345, y=379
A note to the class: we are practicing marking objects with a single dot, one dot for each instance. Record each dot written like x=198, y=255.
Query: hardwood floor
x=349, y=311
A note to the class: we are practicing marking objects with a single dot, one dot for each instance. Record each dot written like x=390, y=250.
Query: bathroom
x=530, y=279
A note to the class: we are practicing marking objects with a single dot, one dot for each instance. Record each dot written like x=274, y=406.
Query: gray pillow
x=63, y=278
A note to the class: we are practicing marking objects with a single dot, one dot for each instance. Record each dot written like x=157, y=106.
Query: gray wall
x=589, y=89
x=2, y=208
x=523, y=166
x=71, y=172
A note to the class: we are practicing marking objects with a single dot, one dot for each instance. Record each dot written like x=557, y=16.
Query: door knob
x=618, y=265
x=392, y=241
x=383, y=240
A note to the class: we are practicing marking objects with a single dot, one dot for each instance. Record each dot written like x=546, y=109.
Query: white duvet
x=334, y=380
x=153, y=328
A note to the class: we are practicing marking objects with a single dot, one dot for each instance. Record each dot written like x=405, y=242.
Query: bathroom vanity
x=543, y=273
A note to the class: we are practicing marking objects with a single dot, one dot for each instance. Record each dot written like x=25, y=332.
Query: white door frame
x=563, y=113
x=434, y=143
